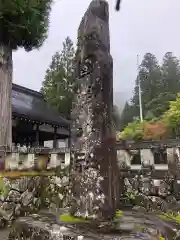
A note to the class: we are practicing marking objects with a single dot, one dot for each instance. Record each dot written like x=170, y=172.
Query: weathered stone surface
x=132, y=225
x=44, y=226
x=26, y=198
x=13, y=196
x=30, y=194
x=92, y=131
x=174, y=163
x=144, y=192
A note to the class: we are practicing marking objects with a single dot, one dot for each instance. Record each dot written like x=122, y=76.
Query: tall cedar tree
x=170, y=73
x=23, y=23
x=150, y=80
x=159, y=86
x=127, y=114
x=58, y=86
x=169, y=85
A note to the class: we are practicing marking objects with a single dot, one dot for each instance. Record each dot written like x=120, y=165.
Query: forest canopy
x=160, y=92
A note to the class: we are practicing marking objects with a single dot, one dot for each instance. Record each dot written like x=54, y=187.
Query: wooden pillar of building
x=55, y=138
x=37, y=135
x=14, y=136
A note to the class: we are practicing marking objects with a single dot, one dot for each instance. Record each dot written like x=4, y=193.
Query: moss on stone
x=19, y=174
x=71, y=219
x=118, y=213
x=169, y=216
x=161, y=238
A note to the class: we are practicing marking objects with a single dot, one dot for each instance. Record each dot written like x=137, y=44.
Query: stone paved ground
x=128, y=224
x=4, y=234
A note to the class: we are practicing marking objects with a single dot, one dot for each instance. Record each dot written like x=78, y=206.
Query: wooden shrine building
x=33, y=121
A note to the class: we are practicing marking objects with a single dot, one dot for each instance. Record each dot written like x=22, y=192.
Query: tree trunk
x=5, y=96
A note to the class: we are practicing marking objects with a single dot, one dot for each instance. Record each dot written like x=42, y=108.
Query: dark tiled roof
x=31, y=105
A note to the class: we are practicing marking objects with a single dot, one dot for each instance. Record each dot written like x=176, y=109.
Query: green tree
x=149, y=77
x=160, y=104
x=133, y=131
x=22, y=24
x=126, y=115
x=170, y=71
x=172, y=116
x=59, y=85
x=159, y=86
x=169, y=85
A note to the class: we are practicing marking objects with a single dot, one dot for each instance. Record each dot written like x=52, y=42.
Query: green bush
x=133, y=131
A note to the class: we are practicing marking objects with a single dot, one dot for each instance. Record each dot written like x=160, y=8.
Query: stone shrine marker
x=95, y=190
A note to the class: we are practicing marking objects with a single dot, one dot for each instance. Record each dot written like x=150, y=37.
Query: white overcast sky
x=141, y=26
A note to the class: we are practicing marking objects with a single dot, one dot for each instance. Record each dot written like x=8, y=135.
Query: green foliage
x=133, y=131
x=59, y=85
x=149, y=77
x=170, y=73
x=172, y=116
x=147, y=130
x=159, y=86
x=24, y=23
x=127, y=115
x=160, y=104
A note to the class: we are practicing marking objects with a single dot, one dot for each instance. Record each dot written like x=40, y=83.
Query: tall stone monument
x=95, y=173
